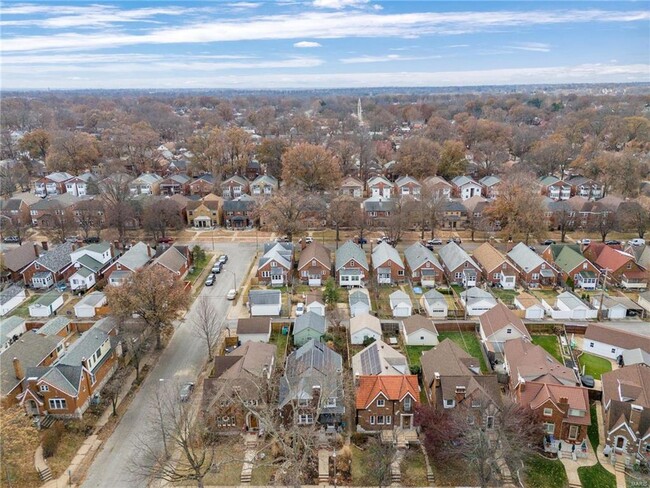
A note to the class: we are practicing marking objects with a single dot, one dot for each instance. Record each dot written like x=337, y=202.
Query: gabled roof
x=359, y=296
x=418, y=322
x=379, y=358
x=617, y=337
x=147, y=179
x=448, y=359
x=16, y=259
x=453, y=256
x=54, y=326
x=11, y=204
x=490, y=180
x=365, y=321
x=254, y=325
x=378, y=203
x=434, y=296
x=375, y=180
x=136, y=257
x=549, y=180
x=242, y=203
x=463, y=180
x=613, y=259
x=240, y=180
x=92, y=299
x=556, y=249
x=278, y=253
x=8, y=325
x=350, y=251
x=351, y=181
x=571, y=301
x=399, y=297
x=88, y=263
x=264, y=297
x=393, y=388
x=489, y=257
x=89, y=342
x=316, y=251
x=265, y=180
x=568, y=259
x=532, y=363
x=9, y=293
x=309, y=320
x=406, y=179
x=417, y=255
x=56, y=258
x=436, y=180
x=47, y=299
x=384, y=252
x=536, y=394
x=172, y=259
x=499, y=318
x=525, y=258
x=59, y=177
x=207, y=178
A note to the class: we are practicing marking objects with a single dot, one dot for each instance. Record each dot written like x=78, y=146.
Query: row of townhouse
x=575, y=185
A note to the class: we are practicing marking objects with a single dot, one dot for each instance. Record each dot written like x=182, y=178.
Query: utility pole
x=602, y=296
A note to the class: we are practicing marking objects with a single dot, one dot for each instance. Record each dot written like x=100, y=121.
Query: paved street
x=180, y=361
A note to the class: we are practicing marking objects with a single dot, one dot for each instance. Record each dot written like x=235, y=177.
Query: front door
x=407, y=421
x=32, y=408
x=620, y=443
x=253, y=422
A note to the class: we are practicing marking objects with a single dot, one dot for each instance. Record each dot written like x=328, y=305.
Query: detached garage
x=265, y=303
x=11, y=298
x=532, y=306
x=46, y=305
x=88, y=305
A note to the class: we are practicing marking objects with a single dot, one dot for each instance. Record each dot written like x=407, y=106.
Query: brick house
x=52, y=184
x=378, y=186
x=264, y=186
x=205, y=212
x=622, y=268
x=17, y=259
x=234, y=187
x=438, y=187
x=146, y=184
x=130, y=262
x=386, y=402
x=377, y=209
x=238, y=213
x=564, y=411
x=458, y=266
x=465, y=187
x=235, y=388
x=351, y=265
x=351, y=186
x=202, y=185
x=66, y=388
x=315, y=265
x=585, y=187
x=490, y=186
x=497, y=270
x=554, y=188
x=626, y=406
x=387, y=264
x=175, y=184
x=407, y=186
x=454, y=215
x=570, y=263
x=51, y=267
x=276, y=264
x=175, y=259
x=32, y=350
x=14, y=210
x=47, y=213
x=533, y=270
x=422, y=266
x=82, y=185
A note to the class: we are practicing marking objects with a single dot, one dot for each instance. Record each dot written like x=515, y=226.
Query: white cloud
x=532, y=46
x=307, y=44
x=339, y=4
x=384, y=59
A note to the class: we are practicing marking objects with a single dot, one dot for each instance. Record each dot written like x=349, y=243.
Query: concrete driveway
x=182, y=360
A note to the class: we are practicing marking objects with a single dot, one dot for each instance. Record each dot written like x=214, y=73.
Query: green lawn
x=592, y=430
x=198, y=266
x=550, y=345
x=548, y=295
x=414, y=353
x=380, y=297
x=414, y=468
x=506, y=296
x=596, y=477
x=594, y=365
x=23, y=310
x=545, y=473
x=361, y=463
x=469, y=342
x=281, y=343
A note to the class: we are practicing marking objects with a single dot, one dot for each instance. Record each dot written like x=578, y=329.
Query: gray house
x=351, y=265
x=307, y=327
x=359, y=301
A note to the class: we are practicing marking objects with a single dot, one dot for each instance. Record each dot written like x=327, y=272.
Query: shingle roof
x=54, y=326
x=265, y=180
x=571, y=301
x=379, y=359
x=277, y=252
x=568, y=259
x=378, y=179
x=92, y=299
x=613, y=259
x=462, y=180
x=532, y=363
x=417, y=322
x=499, y=317
x=64, y=200
x=136, y=257
x=348, y=252
x=264, y=297
x=56, y=258
x=16, y=259
x=378, y=204
x=89, y=342
x=403, y=180
x=524, y=257
x=89, y=263
x=417, y=255
x=147, y=179
x=536, y=394
x=617, y=337
x=394, y=388
x=452, y=255
x=254, y=325
x=239, y=204
x=488, y=257
x=384, y=252
x=9, y=293
x=365, y=321
x=434, y=296
x=399, y=297
x=359, y=296
x=309, y=320
x=172, y=259
x=490, y=180
x=315, y=251
x=47, y=299
x=8, y=325
x=59, y=177
x=448, y=359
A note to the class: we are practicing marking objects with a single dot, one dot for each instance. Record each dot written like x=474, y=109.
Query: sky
x=292, y=44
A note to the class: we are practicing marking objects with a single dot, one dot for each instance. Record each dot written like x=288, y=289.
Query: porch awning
x=546, y=273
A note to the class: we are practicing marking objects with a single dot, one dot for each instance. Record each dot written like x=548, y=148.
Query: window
x=380, y=420
x=389, y=420
x=591, y=344
x=549, y=428
x=508, y=331
x=476, y=403
x=449, y=403
x=613, y=350
x=407, y=404
x=331, y=402
x=303, y=402
x=490, y=422
x=460, y=389
x=58, y=404
x=458, y=276
x=647, y=448
x=496, y=276
x=372, y=420
x=573, y=432
x=306, y=418
x=266, y=274
x=44, y=388
x=575, y=412
x=548, y=412
x=400, y=272
x=584, y=265
x=381, y=402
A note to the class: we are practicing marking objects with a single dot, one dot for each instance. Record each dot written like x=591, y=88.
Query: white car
x=232, y=294
x=584, y=242
x=300, y=309
x=636, y=242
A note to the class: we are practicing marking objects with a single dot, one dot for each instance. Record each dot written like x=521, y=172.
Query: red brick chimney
x=564, y=405
x=635, y=417
x=44, y=245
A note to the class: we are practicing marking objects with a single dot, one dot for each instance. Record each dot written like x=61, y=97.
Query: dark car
x=12, y=239
x=223, y=259
x=362, y=240
x=613, y=242
x=216, y=269
x=186, y=391
x=91, y=240
x=548, y=242
x=166, y=240
x=587, y=381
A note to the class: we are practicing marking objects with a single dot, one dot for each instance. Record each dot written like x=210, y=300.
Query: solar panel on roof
x=370, y=361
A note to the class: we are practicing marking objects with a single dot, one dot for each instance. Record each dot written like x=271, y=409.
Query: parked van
x=636, y=242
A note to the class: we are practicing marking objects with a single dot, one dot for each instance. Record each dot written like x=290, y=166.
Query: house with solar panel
x=379, y=359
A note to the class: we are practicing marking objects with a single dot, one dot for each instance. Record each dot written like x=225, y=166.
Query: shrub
x=344, y=460
x=84, y=427
x=51, y=439
x=358, y=439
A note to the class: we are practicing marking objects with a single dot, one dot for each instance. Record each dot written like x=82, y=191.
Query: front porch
x=469, y=278
x=507, y=282
x=634, y=283
x=400, y=437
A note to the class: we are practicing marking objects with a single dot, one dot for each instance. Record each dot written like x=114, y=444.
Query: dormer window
x=460, y=389
x=584, y=265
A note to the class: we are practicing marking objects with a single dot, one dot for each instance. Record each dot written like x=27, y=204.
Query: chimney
x=148, y=250
x=75, y=246
x=564, y=404
x=36, y=249
x=315, y=393
x=18, y=369
x=44, y=246
x=635, y=417
x=112, y=250
x=522, y=385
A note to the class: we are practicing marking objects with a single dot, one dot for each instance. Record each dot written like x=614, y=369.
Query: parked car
x=300, y=309
x=232, y=294
x=457, y=240
x=308, y=240
x=587, y=381
x=209, y=280
x=12, y=239
x=584, y=242
x=360, y=240
x=186, y=391
x=282, y=239
x=165, y=240
x=547, y=242
x=216, y=269
x=613, y=242
x=73, y=239
x=435, y=242
x=91, y=240
x=223, y=259
x=636, y=242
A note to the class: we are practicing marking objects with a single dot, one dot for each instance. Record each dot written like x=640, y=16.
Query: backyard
x=592, y=430
x=548, y=295
x=596, y=477
x=506, y=296
x=414, y=353
x=550, y=345
x=23, y=309
x=469, y=342
x=280, y=340
x=545, y=473
x=594, y=365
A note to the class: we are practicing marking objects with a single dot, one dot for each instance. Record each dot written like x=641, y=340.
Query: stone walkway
x=606, y=461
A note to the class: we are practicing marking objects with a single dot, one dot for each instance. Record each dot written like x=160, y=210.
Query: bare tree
x=603, y=223
x=343, y=211
x=90, y=216
x=116, y=193
x=114, y=386
x=160, y=215
x=207, y=324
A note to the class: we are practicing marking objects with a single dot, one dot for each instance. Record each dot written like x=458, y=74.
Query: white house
x=500, y=325
x=418, y=330
x=359, y=301
x=534, y=309
x=10, y=329
x=610, y=342
x=314, y=303
x=88, y=305
x=477, y=301
x=435, y=304
x=466, y=187
x=10, y=298
x=569, y=307
x=82, y=279
x=254, y=329
x=400, y=304
x=46, y=305
x=265, y=302
x=89, y=261
x=614, y=307
x=364, y=326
